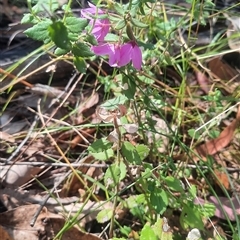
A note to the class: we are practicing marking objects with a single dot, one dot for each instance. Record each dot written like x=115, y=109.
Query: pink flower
x=120, y=55
x=100, y=27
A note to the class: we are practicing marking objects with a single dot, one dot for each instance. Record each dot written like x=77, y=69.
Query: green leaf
x=114, y=102
x=91, y=39
x=48, y=6
x=59, y=35
x=193, y=134
x=114, y=174
x=76, y=25
x=39, y=31
x=80, y=64
x=60, y=51
x=191, y=217
x=73, y=36
x=209, y=210
x=137, y=23
x=142, y=151
x=119, y=8
x=134, y=201
x=101, y=149
x=110, y=37
x=81, y=50
x=147, y=233
x=104, y=215
x=161, y=229
x=130, y=153
x=174, y=184
x=28, y=18
x=146, y=80
x=129, y=87
x=120, y=24
x=159, y=200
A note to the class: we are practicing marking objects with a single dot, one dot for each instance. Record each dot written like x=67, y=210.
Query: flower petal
x=137, y=57
x=125, y=54
x=103, y=49
x=101, y=29
x=114, y=56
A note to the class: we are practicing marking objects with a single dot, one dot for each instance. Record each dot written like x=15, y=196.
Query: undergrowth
x=152, y=116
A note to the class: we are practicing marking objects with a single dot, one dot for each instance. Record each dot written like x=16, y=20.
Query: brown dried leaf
x=203, y=81
x=18, y=227
x=223, y=70
x=4, y=235
x=213, y=146
x=57, y=224
x=46, y=227
x=222, y=178
x=17, y=175
x=6, y=137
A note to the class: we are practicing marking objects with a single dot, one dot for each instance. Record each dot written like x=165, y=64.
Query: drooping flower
x=100, y=26
x=120, y=55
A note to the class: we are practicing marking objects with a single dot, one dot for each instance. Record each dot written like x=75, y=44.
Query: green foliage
x=101, y=149
x=130, y=153
x=104, y=215
x=147, y=233
x=80, y=64
x=39, y=31
x=59, y=35
x=114, y=174
x=134, y=163
x=159, y=200
x=81, y=49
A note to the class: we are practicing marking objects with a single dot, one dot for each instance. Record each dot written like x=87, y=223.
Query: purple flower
x=100, y=27
x=120, y=55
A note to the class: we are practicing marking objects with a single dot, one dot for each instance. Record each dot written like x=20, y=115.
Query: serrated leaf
x=80, y=64
x=60, y=51
x=39, y=31
x=91, y=39
x=191, y=217
x=101, y=149
x=73, y=36
x=137, y=23
x=28, y=18
x=142, y=150
x=104, y=215
x=130, y=153
x=114, y=102
x=81, y=50
x=209, y=209
x=147, y=233
x=46, y=5
x=59, y=35
x=174, y=184
x=76, y=25
x=134, y=201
